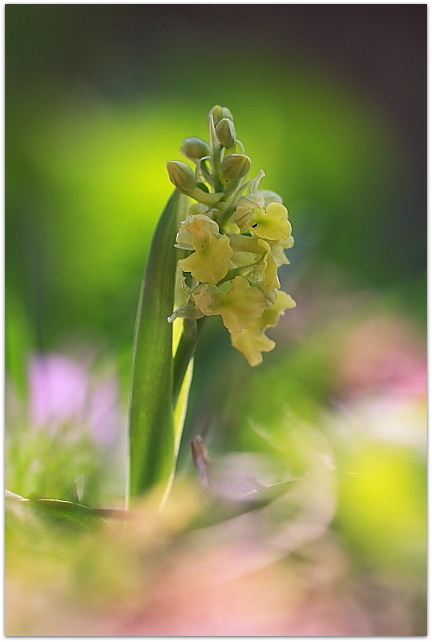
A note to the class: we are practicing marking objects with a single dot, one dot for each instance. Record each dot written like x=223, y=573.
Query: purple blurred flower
x=66, y=393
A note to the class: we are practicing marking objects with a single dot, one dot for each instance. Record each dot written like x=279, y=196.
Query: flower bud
x=226, y=133
x=219, y=112
x=226, y=113
x=181, y=176
x=235, y=166
x=194, y=148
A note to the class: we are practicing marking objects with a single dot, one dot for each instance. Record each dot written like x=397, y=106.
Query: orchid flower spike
x=233, y=240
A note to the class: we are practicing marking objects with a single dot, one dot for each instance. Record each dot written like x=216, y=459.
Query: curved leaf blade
x=151, y=421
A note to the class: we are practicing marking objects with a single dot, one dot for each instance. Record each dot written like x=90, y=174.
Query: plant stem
x=184, y=353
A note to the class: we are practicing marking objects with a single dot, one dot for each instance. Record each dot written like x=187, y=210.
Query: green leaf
x=179, y=419
x=57, y=512
x=152, y=441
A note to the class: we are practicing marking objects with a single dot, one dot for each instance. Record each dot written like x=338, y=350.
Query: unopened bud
x=226, y=133
x=194, y=148
x=235, y=166
x=226, y=113
x=219, y=112
x=181, y=176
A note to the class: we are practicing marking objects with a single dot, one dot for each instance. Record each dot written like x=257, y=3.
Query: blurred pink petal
x=64, y=392
x=382, y=354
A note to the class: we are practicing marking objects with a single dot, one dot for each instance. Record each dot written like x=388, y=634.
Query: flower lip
x=271, y=224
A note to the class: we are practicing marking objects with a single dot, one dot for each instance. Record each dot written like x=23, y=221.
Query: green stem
x=237, y=271
x=184, y=353
x=226, y=215
x=216, y=168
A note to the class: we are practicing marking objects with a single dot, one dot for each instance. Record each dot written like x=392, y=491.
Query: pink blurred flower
x=383, y=355
x=65, y=393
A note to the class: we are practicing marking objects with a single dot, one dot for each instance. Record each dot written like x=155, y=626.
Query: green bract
x=233, y=239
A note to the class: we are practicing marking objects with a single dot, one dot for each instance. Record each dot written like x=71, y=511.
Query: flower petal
x=211, y=262
x=242, y=304
x=245, y=208
x=196, y=230
x=272, y=224
x=270, y=316
x=252, y=341
x=251, y=344
x=278, y=247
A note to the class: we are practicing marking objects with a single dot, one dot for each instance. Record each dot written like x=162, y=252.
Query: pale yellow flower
x=277, y=249
x=252, y=341
x=245, y=208
x=211, y=260
x=242, y=303
x=272, y=224
x=247, y=250
x=270, y=316
x=251, y=344
x=234, y=240
x=196, y=230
